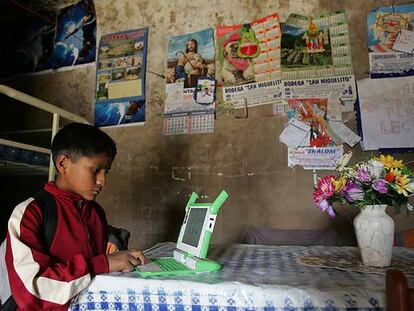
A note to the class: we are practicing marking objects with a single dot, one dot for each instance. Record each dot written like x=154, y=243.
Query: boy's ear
x=62, y=163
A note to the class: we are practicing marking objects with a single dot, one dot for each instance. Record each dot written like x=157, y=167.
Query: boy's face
x=86, y=176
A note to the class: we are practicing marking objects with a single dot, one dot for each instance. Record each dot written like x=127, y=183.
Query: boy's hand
x=125, y=261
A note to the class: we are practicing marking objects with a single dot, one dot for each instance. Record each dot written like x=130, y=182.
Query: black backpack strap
x=9, y=305
x=47, y=205
x=101, y=213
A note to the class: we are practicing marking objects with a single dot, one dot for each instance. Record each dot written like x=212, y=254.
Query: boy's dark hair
x=78, y=140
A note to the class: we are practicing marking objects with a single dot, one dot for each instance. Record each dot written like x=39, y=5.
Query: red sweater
x=49, y=278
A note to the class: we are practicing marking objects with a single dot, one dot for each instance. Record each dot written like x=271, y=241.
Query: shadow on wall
x=327, y=237
x=175, y=216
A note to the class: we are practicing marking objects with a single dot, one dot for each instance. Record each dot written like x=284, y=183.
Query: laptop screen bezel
x=196, y=251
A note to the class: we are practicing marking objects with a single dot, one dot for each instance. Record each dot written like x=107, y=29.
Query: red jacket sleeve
x=39, y=280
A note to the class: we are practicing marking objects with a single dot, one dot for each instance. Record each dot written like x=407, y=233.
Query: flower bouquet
x=372, y=185
x=382, y=180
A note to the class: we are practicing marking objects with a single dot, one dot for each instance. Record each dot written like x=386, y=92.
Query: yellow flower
x=395, y=171
x=389, y=162
x=402, y=184
x=339, y=184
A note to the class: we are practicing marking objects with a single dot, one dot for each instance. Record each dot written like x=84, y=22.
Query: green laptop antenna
x=191, y=201
x=215, y=206
x=219, y=202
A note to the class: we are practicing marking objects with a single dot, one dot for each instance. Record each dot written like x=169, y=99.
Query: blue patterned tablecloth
x=254, y=277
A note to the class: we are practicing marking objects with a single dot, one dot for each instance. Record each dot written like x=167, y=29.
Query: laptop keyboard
x=170, y=264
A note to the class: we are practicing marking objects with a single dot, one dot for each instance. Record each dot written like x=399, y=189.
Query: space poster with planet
x=120, y=79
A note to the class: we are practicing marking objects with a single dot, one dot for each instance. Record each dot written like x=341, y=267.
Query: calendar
x=190, y=84
x=189, y=123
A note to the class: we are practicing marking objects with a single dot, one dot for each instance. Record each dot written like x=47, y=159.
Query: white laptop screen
x=194, y=226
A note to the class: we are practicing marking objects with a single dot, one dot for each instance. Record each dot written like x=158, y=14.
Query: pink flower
x=324, y=190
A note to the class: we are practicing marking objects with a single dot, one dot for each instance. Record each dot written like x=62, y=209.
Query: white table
x=254, y=277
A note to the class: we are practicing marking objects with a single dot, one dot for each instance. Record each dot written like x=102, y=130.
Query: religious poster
x=314, y=47
x=316, y=58
x=75, y=41
x=120, y=79
x=249, y=57
x=384, y=26
x=191, y=86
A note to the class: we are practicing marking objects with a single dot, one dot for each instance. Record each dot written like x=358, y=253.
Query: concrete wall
x=142, y=195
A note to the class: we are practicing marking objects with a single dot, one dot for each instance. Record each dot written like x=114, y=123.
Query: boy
x=42, y=278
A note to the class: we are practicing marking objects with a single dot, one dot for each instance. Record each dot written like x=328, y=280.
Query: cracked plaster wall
x=141, y=194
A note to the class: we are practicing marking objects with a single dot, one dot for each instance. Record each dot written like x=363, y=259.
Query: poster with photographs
x=120, y=79
x=75, y=35
x=384, y=26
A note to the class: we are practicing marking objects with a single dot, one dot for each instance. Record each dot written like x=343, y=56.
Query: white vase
x=374, y=231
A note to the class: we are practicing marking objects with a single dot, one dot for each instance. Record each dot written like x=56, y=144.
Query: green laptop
x=193, y=242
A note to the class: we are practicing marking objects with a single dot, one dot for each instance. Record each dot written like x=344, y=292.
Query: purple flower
x=363, y=175
x=380, y=185
x=352, y=192
x=324, y=206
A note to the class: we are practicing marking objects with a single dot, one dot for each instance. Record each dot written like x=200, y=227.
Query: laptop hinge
x=187, y=259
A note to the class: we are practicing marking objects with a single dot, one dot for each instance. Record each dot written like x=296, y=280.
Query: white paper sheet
x=387, y=112
x=404, y=42
x=334, y=107
x=311, y=158
x=345, y=133
x=294, y=134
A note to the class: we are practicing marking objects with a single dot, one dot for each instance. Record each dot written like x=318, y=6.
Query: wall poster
x=75, y=35
x=314, y=47
x=190, y=84
x=56, y=40
x=120, y=78
x=384, y=24
x=316, y=57
x=249, y=57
